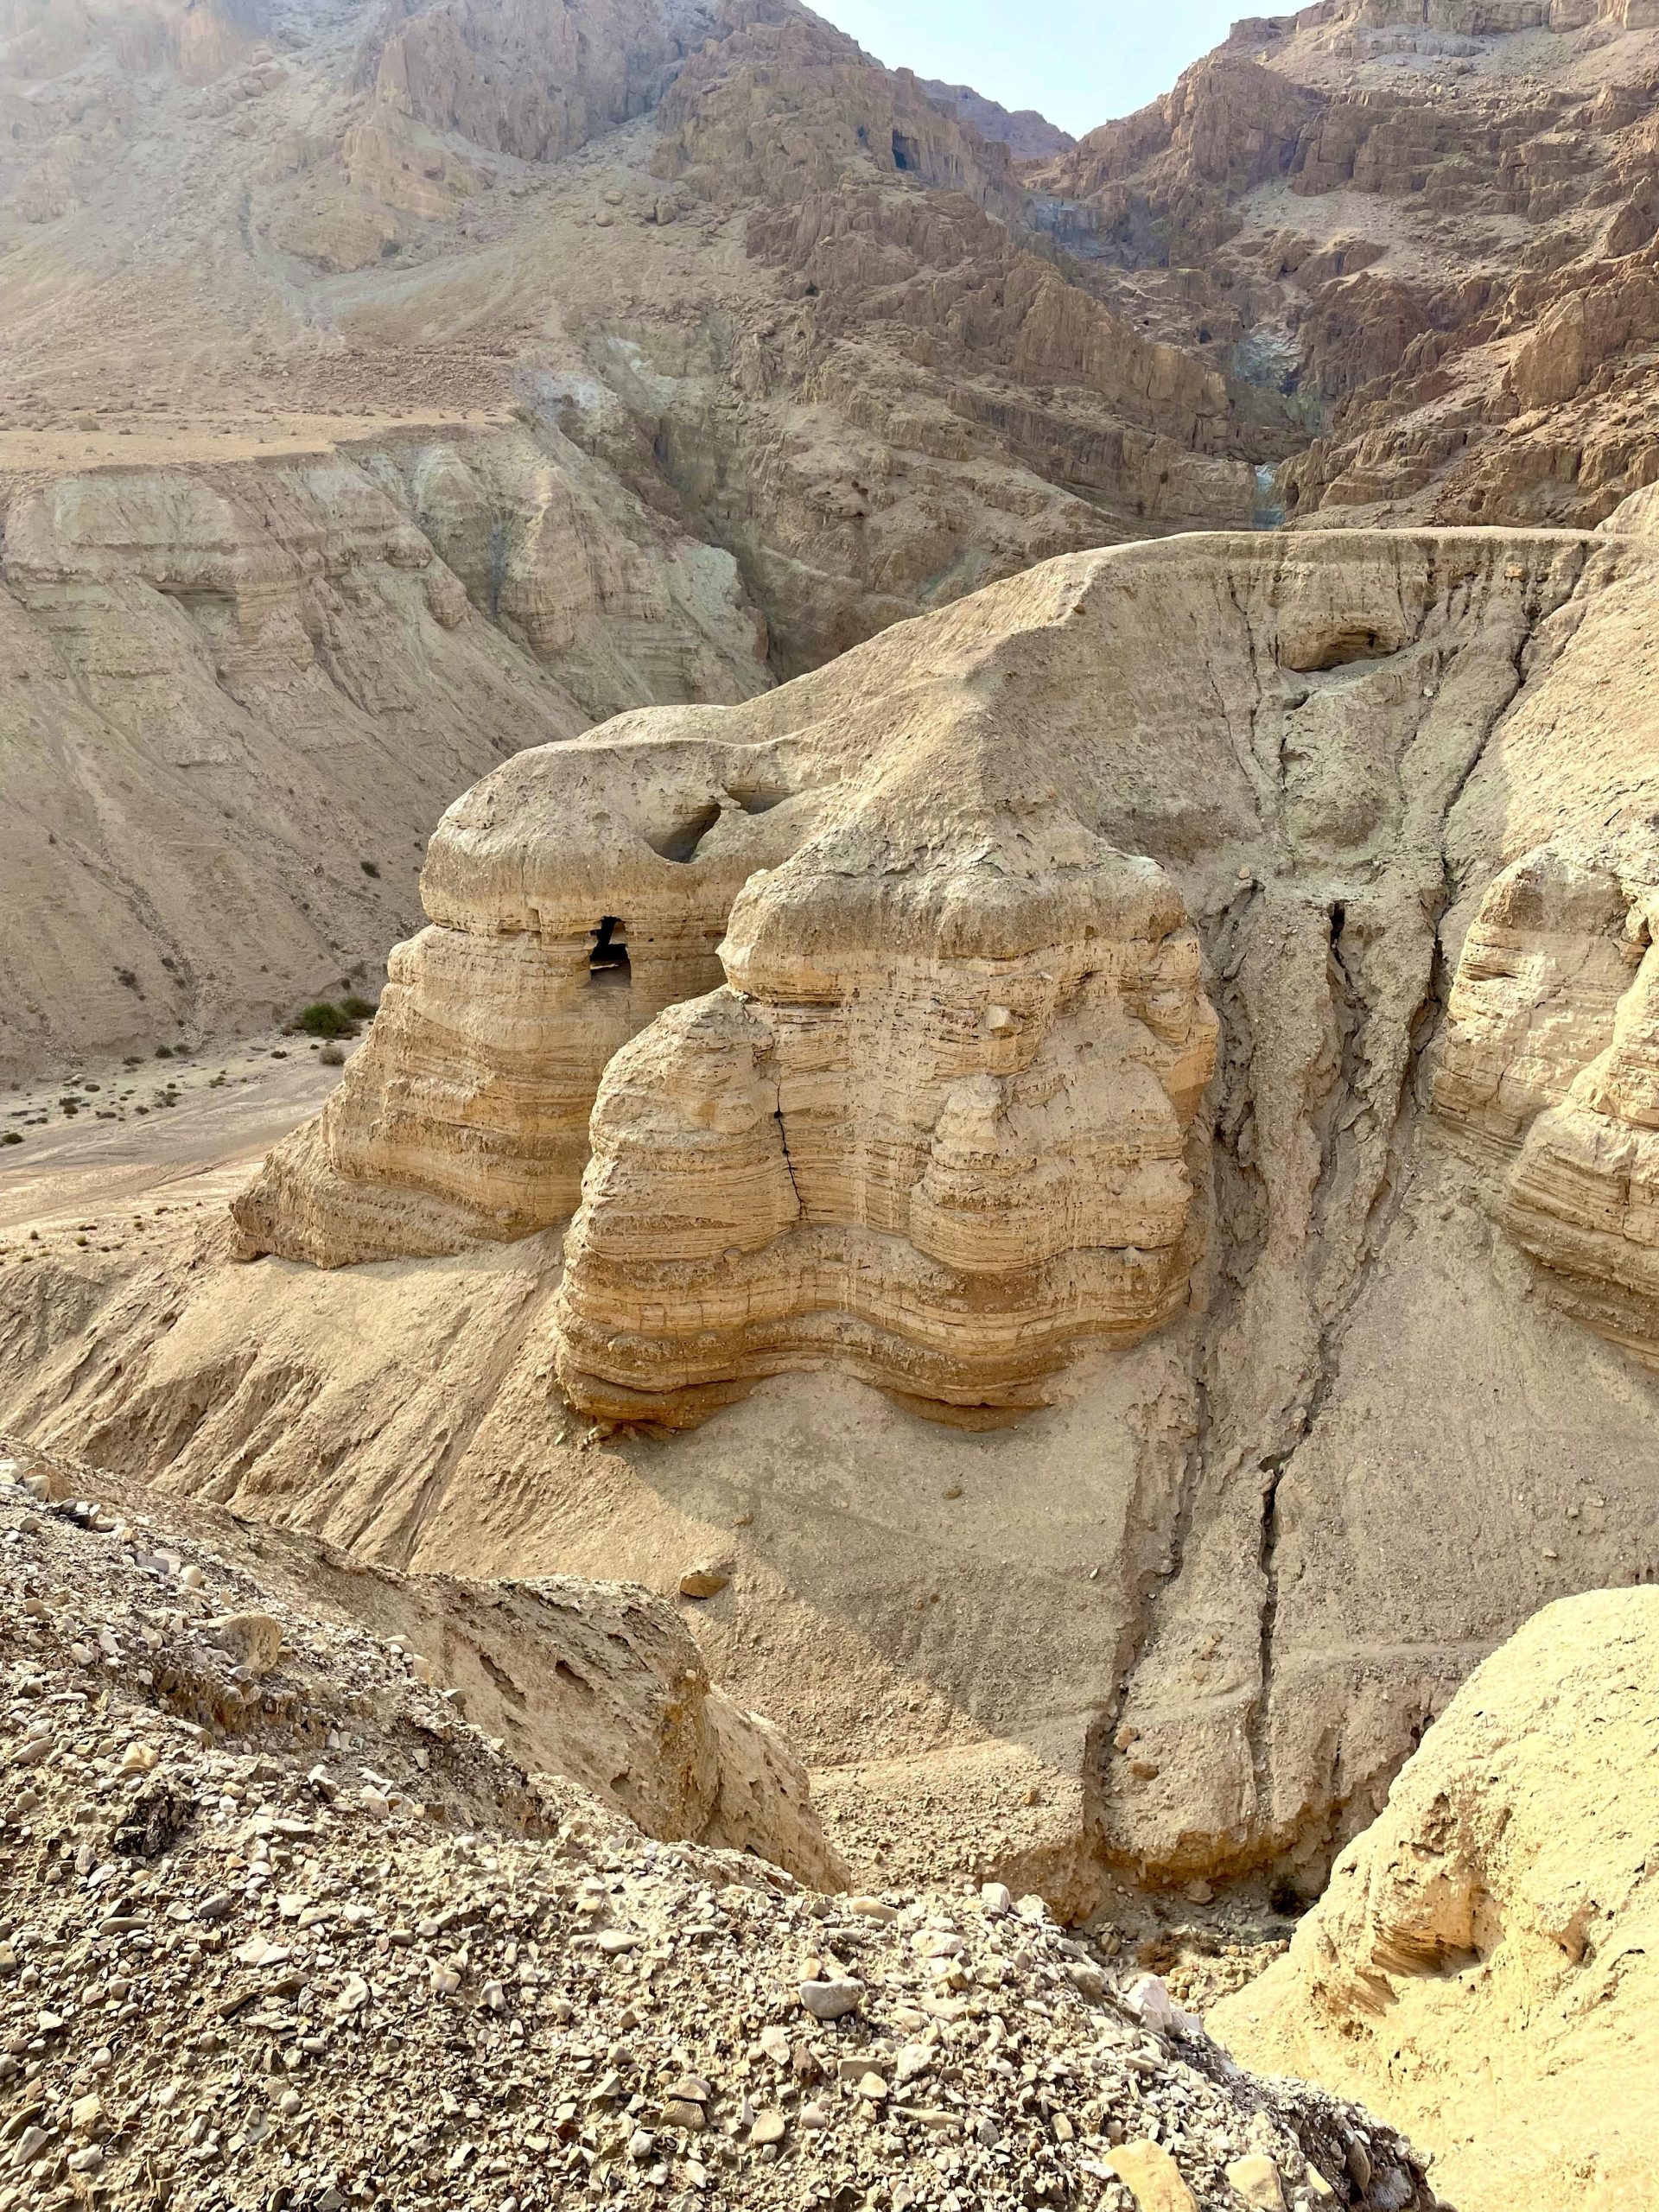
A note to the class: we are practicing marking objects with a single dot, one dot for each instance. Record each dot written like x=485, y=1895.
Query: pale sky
x=1081, y=61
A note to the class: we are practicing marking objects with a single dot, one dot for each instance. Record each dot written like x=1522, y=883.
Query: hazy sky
x=1080, y=61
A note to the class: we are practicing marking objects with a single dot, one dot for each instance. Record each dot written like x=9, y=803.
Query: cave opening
x=905, y=153
x=608, y=961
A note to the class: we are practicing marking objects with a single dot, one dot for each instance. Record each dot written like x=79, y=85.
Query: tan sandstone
x=1480, y=1967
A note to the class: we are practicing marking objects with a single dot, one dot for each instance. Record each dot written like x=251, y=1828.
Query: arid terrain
x=810, y=907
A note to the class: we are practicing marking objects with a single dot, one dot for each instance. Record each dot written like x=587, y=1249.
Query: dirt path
x=191, y=1128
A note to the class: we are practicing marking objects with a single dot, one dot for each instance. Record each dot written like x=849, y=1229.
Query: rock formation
x=686, y=335
x=1481, y=1967
x=1548, y=1064
x=1028, y=136
x=756, y=1047
x=866, y=1099
x=336, y=1928
x=1425, y=233
x=234, y=699
x=933, y=1132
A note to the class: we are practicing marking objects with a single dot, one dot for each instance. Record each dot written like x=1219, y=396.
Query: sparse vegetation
x=12, y=1136
x=369, y=867
x=324, y=1018
x=163, y=1051
x=360, y=1009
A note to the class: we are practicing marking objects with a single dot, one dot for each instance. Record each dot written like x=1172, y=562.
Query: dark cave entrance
x=608, y=961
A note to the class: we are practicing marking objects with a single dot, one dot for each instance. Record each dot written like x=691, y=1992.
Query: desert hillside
x=828, y=1086
x=1481, y=1964
x=340, y=1944
x=381, y=390
x=1137, y=1076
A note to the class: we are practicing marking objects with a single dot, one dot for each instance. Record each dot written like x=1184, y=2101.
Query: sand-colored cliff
x=1480, y=1968
x=773, y=973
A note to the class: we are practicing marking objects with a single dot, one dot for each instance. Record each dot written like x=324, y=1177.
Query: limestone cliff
x=927, y=1131
x=1482, y=1965
x=235, y=698
x=1425, y=234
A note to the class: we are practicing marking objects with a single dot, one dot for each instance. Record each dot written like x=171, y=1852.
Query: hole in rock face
x=1337, y=648
x=681, y=844
x=905, y=155
x=608, y=961
x=760, y=798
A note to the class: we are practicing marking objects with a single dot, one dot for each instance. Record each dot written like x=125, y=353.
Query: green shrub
x=359, y=1009
x=12, y=1136
x=323, y=1019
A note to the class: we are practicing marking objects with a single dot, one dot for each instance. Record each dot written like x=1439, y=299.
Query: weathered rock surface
x=799, y=346
x=933, y=1133
x=1425, y=233
x=1028, y=136
x=235, y=699
x=330, y=1935
x=689, y=342
x=1482, y=1965
x=1317, y=752
x=1549, y=1061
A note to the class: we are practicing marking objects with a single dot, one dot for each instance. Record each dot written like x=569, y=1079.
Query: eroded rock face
x=1481, y=1967
x=937, y=1126
x=572, y=900
x=236, y=698
x=1281, y=1367
x=1550, y=1060
x=934, y=1133
x=1425, y=233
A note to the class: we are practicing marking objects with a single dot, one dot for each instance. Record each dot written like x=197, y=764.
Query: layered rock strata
x=933, y=1132
x=1262, y=1539
x=934, y=1127
x=236, y=698
x=1550, y=1062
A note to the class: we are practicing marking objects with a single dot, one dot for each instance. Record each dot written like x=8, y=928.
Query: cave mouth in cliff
x=1340, y=647
x=906, y=154
x=608, y=961
x=680, y=843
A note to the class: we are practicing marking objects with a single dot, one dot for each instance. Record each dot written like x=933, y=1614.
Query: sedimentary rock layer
x=934, y=1131
x=1260, y=1541
x=1551, y=1061
x=936, y=1125
x=235, y=699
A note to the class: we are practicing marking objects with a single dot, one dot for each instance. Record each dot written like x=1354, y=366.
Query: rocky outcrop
x=1549, y=1058
x=572, y=900
x=1028, y=136
x=934, y=1133
x=690, y=345
x=1481, y=1967
x=928, y=1133
x=1424, y=234
x=318, y=1840
x=509, y=77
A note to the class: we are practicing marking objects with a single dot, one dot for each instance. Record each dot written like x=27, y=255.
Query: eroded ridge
x=885, y=995
x=933, y=1130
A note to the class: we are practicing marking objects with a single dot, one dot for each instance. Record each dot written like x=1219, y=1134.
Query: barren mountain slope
x=1482, y=1965
x=1324, y=1388
x=679, y=345
x=696, y=347
x=234, y=700
x=779, y=290
x=281, y=1926
x=1428, y=226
